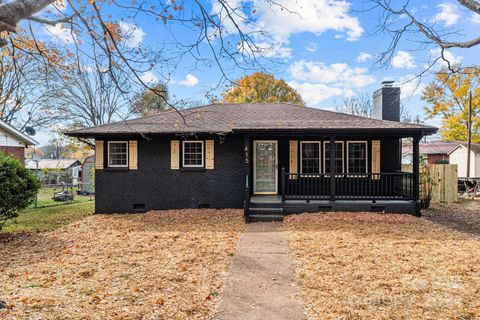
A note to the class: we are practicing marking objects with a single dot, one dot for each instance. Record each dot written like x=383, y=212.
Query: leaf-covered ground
x=159, y=265
x=373, y=266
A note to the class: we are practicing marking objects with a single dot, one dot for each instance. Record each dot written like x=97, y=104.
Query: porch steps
x=266, y=214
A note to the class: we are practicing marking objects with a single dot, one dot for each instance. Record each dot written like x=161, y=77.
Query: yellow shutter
x=99, y=154
x=132, y=155
x=209, y=154
x=376, y=158
x=293, y=168
x=175, y=154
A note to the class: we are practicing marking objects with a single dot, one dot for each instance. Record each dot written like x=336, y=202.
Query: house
x=432, y=152
x=14, y=142
x=458, y=156
x=270, y=159
x=54, y=171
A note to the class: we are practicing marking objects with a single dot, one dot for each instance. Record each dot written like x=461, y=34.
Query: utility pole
x=469, y=134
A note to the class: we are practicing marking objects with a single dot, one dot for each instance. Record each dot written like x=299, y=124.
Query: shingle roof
x=227, y=118
x=59, y=164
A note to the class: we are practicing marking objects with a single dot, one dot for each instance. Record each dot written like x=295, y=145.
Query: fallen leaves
x=158, y=265
x=373, y=266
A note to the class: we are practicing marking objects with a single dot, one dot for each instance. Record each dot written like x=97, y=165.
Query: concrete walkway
x=260, y=284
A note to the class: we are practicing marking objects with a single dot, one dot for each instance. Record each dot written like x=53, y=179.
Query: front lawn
x=41, y=219
x=158, y=265
x=374, y=266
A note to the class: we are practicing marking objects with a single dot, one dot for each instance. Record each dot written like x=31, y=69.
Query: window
x=310, y=157
x=118, y=154
x=338, y=157
x=193, y=153
x=357, y=156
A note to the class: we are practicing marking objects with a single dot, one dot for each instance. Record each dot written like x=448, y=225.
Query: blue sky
x=324, y=49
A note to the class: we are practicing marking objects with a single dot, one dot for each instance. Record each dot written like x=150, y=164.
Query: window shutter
x=98, y=154
x=133, y=155
x=293, y=158
x=209, y=154
x=376, y=158
x=175, y=154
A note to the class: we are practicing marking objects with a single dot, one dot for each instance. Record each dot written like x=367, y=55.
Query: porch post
x=416, y=174
x=332, y=168
x=246, y=169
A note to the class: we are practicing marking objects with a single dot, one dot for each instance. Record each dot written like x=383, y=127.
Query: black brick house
x=270, y=159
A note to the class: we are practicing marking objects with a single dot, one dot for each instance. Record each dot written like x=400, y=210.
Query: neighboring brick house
x=14, y=142
x=432, y=152
x=269, y=158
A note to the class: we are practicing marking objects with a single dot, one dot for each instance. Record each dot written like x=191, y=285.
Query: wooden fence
x=444, y=180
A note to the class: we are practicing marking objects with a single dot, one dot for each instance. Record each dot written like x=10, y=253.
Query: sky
x=324, y=49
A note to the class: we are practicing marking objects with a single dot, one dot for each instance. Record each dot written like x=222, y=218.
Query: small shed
x=458, y=156
x=85, y=176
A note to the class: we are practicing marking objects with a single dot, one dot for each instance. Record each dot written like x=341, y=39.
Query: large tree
x=220, y=34
x=148, y=102
x=27, y=85
x=448, y=97
x=261, y=87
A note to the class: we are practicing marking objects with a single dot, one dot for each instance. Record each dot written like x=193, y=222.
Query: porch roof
x=231, y=118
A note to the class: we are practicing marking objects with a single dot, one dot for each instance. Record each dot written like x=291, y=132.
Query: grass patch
x=45, y=196
x=41, y=219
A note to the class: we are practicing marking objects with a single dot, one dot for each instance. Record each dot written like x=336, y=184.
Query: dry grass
x=160, y=265
x=373, y=266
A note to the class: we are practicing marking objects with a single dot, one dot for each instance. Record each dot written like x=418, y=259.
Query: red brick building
x=14, y=142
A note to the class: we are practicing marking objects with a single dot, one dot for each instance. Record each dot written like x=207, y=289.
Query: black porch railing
x=348, y=186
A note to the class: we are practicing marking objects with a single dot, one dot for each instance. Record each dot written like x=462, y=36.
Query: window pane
x=193, y=153
x=117, y=154
x=357, y=157
x=338, y=157
x=310, y=157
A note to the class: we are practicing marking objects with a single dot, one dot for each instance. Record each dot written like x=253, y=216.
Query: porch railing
x=348, y=186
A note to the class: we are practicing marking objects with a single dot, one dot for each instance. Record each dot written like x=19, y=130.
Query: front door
x=265, y=166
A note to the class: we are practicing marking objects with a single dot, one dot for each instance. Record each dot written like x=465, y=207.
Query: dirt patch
x=462, y=216
x=159, y=265
x=373, y=266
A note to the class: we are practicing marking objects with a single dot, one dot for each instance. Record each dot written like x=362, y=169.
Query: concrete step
x=266, y=210
x=265, y=217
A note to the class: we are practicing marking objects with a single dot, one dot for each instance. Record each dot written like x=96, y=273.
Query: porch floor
x=299, y=206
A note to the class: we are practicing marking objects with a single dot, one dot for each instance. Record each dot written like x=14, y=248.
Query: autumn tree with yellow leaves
x=448, y=97
x=261, y=87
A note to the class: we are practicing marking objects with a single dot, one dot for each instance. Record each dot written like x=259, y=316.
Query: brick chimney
x=386, y=102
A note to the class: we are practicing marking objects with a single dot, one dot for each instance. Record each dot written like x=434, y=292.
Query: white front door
x=265, y=174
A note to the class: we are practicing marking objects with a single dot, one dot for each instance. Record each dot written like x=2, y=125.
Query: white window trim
x=108, y=151
x=325, y=159
x=319, y=156
x=183, y=154
x=366, y=154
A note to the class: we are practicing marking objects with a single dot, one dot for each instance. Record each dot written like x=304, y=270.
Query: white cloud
x=364, y=56
x=189, y=81
x=448, y=55
x=134, y=35
x=63, y=34
x=287, y=18
x=475, y=18
x=149, y=77
x=267, y=49
x=311, y=47
x=403, y=60
x=410, y=85
x=335, y=73
x=448, y=14
x=317, y=81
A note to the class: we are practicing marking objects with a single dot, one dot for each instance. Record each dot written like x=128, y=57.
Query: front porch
x=366, y=184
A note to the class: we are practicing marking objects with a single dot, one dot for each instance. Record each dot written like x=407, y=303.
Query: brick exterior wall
x=159, y=187
x=436, y=158
x=17, y=152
